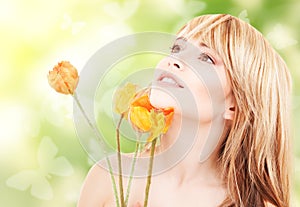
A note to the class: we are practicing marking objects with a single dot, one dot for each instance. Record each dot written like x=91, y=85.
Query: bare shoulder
x=95, y=190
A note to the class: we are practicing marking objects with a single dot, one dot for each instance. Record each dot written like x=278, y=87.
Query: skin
x=189, y=183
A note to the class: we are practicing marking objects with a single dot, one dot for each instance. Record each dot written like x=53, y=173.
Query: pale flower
x=123, y=98
x=63, y=78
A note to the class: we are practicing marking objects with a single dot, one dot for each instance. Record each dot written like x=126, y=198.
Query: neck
x=190, y=169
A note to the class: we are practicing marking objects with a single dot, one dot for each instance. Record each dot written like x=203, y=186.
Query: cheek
x=204, y=103
x=212, y=92
x=210, y=97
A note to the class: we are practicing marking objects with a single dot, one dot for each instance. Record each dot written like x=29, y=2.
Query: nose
x=174, y=64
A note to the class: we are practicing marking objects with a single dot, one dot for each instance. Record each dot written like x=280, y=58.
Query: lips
x=169, y=80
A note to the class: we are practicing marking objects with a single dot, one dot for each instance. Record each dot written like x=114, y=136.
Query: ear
x=229, y=113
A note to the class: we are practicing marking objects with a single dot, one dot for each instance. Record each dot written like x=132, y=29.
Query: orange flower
x=146, y=117
x=140, y=118
x=63, y=78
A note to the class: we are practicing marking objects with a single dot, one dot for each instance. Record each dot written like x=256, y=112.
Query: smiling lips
x=167, y=79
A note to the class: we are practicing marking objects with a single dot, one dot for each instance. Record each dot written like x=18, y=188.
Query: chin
x=161, y=99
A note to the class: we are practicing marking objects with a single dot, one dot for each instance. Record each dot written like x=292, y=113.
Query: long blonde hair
x=255, y=156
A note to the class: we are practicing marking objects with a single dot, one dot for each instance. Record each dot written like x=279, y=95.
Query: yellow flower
x=63, y=78
x=140, y=118
x=148, y=118
x=123, y=97
x=158, y=123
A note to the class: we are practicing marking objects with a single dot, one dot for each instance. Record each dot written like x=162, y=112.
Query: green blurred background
x=36, y=126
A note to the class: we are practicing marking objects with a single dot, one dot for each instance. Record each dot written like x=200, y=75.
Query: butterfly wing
x=60, y=166
x=77, y=27
x=37, y=179
x=47, y=151
x=67, y=22
x=22, y=180
x=124, y=10
x=49, y=163
x=41, y=188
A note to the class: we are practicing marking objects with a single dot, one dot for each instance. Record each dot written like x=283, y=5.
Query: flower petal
x=143, y=101
x=168, y=119
x=140, y=118
x=157, y=120
x=63, y=78
x=160, y=118
x=123, y=97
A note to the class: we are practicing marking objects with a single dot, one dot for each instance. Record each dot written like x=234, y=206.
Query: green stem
x=150, y=172
x=120, y=163
x=102, y=144
x=137, y=148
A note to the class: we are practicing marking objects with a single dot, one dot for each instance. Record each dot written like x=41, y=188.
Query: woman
x=249, y=164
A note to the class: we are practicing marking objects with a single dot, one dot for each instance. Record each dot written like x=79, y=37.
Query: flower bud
x=63, y=78
x=123, y=97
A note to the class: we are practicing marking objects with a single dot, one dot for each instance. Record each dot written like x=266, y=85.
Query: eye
x=206, y=58
x=175, y=48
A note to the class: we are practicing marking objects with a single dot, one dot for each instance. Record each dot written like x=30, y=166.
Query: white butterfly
x=121, y=11
x=281, y=37
x=186, y=9
x=68, y=23
x=244, y=16
x=38, y=180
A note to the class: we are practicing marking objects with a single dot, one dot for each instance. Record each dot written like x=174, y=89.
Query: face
x=193, y=68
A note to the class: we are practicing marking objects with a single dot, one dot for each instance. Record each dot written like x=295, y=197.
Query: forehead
x=210, y=30
x=193, y=42
x=213, y=38
x=198, y=39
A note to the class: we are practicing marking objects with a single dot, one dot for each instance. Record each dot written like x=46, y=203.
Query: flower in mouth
x=147, y=118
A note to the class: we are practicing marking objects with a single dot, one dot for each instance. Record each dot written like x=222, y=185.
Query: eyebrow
x=203, y=45
x=181, y=38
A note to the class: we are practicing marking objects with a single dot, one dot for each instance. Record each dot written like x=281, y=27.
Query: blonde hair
x=255, y=155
